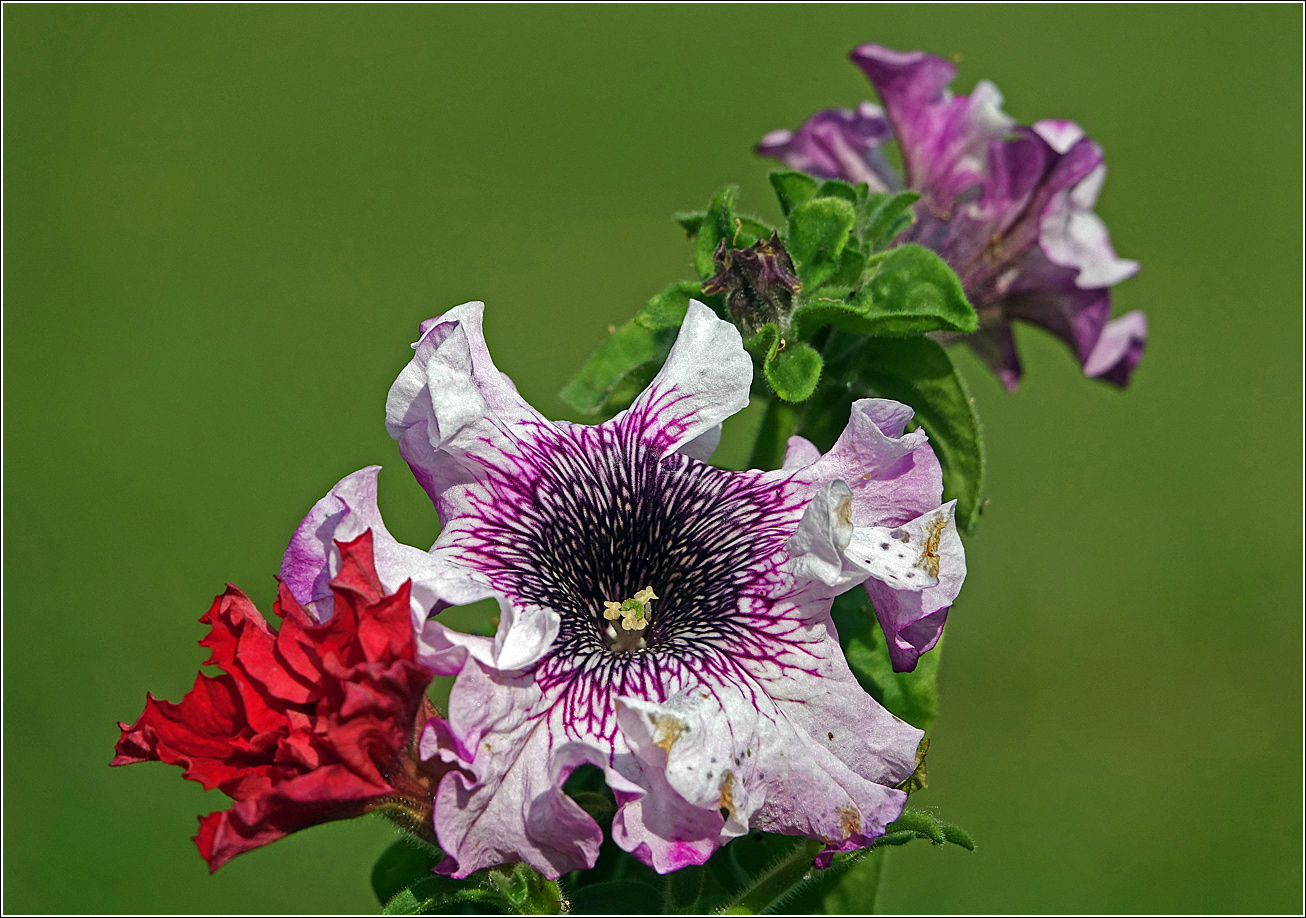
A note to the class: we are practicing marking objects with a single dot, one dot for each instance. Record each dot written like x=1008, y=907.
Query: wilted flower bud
x=759, y=283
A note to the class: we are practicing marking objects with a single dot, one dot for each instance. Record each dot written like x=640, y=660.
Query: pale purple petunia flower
x=662, y=619
x=1010, y=208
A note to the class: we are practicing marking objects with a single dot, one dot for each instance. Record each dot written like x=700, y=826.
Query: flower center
x=634, y=618
x=589, y=523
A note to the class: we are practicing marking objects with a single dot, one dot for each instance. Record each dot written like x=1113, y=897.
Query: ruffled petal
x=1119, y=349
x=451, y=409
x=801, y=756
x=944, y=140
x=816, y=549
x=704, y=381
x=893, y=476
x=349, y=509
x=911, y=593
x=513, y=807
x=837, y=143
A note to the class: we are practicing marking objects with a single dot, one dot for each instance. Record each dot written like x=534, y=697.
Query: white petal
x=451, y=409
x=704, y=381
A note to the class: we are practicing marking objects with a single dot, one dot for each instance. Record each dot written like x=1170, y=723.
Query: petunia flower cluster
x=661, y=619
x=1009, y=207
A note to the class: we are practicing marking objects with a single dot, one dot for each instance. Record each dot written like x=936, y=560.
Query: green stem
x=777, y=427
x=772, y=885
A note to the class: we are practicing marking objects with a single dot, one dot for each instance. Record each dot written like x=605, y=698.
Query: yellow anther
x=634, y=613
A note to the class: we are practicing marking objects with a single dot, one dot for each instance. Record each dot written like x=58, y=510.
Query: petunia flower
x=307, y=724
x=660, y=618
x=1009, y=207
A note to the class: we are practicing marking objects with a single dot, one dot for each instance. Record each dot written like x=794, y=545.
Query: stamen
x=635, y=617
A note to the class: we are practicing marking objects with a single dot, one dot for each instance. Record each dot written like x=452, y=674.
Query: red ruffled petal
x=305, y=723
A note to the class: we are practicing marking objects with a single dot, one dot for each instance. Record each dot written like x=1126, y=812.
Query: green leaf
x=667, y=309
x=911, y=696
x=619, y=370
x=690, y=221
x=792, y=188
x=829, y=310
x=836, y=188
x=438, y=895
x=615, y=897
x=882, y=217
x=718, y=223
x=683, y=889
x=525, y=890
x=818, y=232
x=848, y=273
x=909, y=291
x=401, y=865
x=918, y=372
x=793, y=371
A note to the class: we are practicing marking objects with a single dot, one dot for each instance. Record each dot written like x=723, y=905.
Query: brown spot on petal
x=666, y=730
x=727, y=801
x=929, y=559
x=850, y=820
x=845, y=511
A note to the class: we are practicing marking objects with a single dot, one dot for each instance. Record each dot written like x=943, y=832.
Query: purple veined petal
x=912, y=618
x=705, y=380
x=312, y=559
x=512, y=808
x=804, y=757
x=944, y=139
x=704, y=445
x=451, y=409
x=1119, y=349
x=894, y=476
x=837, y=144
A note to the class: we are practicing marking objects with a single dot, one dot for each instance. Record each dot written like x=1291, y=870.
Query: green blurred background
x=223, y=226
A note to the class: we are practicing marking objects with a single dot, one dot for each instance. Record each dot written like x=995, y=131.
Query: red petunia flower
x=308, y=724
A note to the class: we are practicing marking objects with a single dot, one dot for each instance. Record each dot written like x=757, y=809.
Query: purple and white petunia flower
x=662, y=619
x=1009, y=207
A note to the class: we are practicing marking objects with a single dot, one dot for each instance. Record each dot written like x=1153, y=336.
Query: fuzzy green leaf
x=922, y=823
x=690, y=221
x=910, y=291
x=793, y=371
x=667, y=308
x=882, y=217
x=836, y=188
x=401, y=865
x=918, y=372
x=619, y=370
x=718, y=223
x=911, y=696
x=792, y=188
x=818, y=232
x=439, y=895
